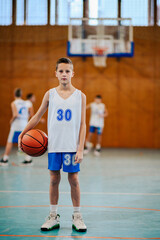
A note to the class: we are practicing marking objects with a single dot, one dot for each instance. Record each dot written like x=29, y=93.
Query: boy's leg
x=89, y=138
x=88, y=144
x=52, y=221
x=55, y=178
x=78, y=223
x=54, y=165
x=8, y=148
x=4, y=160
x=75, y=188
x=12, y=138
x=99, y=139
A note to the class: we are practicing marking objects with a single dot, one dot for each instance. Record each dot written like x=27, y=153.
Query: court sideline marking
x=85, y=237
x=85, y=206
x=87, y=193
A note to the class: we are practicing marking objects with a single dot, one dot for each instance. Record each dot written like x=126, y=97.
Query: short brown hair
x=18, y=92
x=29, y=95
x=99, y=96
x=64, y=60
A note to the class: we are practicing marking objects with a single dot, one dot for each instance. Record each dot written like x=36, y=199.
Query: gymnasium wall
x=130, y=87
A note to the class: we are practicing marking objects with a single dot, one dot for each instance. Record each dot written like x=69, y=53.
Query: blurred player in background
x=20, y=114
x=30, y=101
x=98, y=113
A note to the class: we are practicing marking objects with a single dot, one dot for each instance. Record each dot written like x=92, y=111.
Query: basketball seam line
x=38, y=153
x=43, y=138
x=34, y=139
x=34, y=154
x=30, y=146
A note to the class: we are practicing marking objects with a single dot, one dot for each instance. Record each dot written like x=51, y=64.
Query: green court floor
x=120, y=197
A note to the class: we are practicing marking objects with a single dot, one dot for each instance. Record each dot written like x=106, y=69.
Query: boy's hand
x=19, y=141
x=78, y=157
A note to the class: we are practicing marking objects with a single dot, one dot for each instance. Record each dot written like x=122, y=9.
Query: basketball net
x=100, y=56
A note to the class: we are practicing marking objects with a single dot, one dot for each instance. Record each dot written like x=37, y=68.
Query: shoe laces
x=78, y=218
x=49, y=217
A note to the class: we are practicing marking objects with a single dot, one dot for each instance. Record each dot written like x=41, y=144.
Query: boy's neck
x=17, y=98
x=67, y=87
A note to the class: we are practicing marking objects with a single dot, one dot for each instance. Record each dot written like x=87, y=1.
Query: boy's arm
x=36, y=118
x=82, y=132
x=105, y=112
x=14, y=112
x=88, y=106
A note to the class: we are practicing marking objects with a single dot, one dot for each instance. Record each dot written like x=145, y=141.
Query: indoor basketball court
x=115, y=49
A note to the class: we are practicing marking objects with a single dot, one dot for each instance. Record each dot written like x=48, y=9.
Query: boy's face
x=98, y=100
x=64, y=73
x=33, y=99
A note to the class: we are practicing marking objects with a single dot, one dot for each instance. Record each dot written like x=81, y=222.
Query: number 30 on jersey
x=64, y=115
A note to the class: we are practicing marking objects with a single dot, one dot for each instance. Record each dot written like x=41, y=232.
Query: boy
x=98, y=113
x=30, y=101
x=66, y=136
x=20, y=115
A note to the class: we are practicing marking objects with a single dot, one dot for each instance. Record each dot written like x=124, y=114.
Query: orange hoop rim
x=100, y=50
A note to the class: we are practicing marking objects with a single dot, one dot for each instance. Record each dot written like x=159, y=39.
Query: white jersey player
x=66, y=135
x=96, y=124
x=19, y=120
x=30, y=101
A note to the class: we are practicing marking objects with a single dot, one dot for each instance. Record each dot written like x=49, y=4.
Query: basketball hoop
x=100, y=56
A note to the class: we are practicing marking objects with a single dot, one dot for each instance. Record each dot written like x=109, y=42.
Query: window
x=52, y=12
x=5, y=12
x=20, y=13
x=36, y=12
x=137, y=10
x=76, y=9
x=69, y=9
x=102, y=9
x=158, y=12
x=63, y=12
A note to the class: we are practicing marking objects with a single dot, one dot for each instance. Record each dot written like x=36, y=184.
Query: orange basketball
x=34, y=142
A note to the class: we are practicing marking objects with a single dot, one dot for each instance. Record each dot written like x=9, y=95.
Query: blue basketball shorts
x=65, y=159
x=13, y=136
x=99, y=130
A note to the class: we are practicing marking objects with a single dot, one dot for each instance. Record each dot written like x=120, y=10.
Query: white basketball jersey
x=29, y=103
x=64, y=119
x=96, y=111
x=21, y=120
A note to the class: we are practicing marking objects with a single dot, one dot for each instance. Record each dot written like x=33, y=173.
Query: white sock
x=89, y=145
x=28, y=158
x=5, y=157
x=76, y=209
x=98, y=146
x=53, y=208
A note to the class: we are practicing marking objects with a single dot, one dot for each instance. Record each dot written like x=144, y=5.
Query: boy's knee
x=54, y=178
x=73, y=179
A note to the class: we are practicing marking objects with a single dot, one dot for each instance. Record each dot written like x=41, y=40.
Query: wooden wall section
x=130, y=87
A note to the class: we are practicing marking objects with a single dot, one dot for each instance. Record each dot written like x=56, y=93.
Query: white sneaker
x=78, y=223
x=26, y=163
x=3, y=163
x=97, y=153
x=52, y=222
x=88, y=148
x=86, y=151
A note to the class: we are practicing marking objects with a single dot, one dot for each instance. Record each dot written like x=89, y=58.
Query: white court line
x=85, y=193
